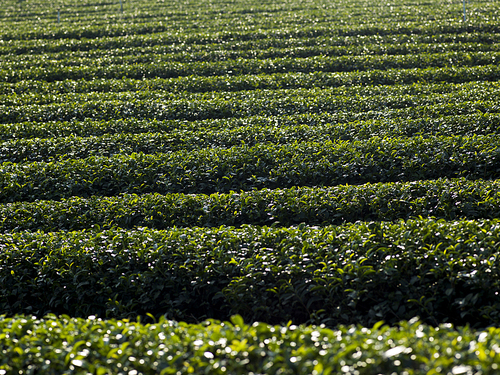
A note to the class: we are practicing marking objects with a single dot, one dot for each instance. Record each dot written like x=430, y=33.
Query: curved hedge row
x=363, y=272
x=98, y=37
x=261, y=166
x=446, y=199
x=356, y=97
x=340, y=125
x=229, y=133
x=166, y=106
x=160, y=69
x=274, y=81
x=192, y=53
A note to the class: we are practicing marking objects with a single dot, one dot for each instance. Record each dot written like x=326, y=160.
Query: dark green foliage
x=358, y=273
x=168, y=69
x=223, y=134
x=396, y=95
x=271, y=81
x=182, y=134
x=445, y=99
x=446, y=199
x=261, y=166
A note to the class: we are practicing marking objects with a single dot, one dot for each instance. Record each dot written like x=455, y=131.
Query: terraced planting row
x=249, y=187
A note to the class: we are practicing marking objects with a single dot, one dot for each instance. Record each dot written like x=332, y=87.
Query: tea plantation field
x=237, y=186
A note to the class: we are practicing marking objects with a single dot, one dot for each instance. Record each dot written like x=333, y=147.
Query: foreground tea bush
x=58, y=345
x=356, y=273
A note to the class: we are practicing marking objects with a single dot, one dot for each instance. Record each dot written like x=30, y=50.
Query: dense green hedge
x=356, y=273
x=340, y=125
x=251, y=82
x=111, y=35
x=256, y=50
x=31, y=105
x=222, y=133
x=446, y=199
x=159, y=69
x=314, y=54
x=354, y=97
x=251, y=103
x=261, y=166
x=58, y=345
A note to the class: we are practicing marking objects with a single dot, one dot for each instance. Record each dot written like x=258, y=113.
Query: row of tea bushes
x=356, y=273
x=273, y=81
x=56, y=345
x=355, y=98
x=62, y=37
x=351, y=83
x=228, y=133
x=159, y=69
x=261, y=166
x=193, y=53
x=247, y=50
x=445, y=199
x=249, y=103
x=276, y=129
